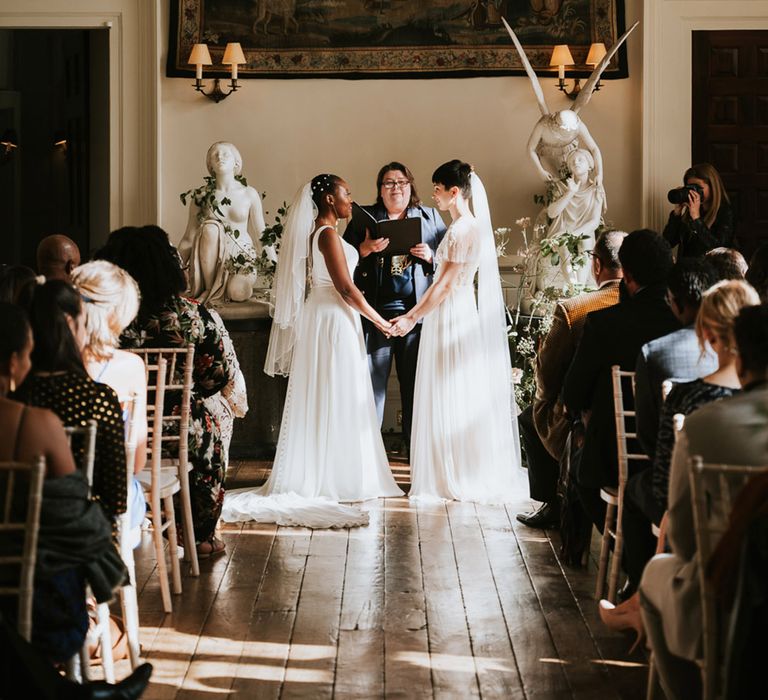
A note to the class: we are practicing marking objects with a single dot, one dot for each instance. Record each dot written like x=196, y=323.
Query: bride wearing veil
x=330, y=447
x=465, y=444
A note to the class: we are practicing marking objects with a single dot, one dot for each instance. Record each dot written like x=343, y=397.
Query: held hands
x=422, y=251
x=402, y=325
x=384, y=326
x=372, y=245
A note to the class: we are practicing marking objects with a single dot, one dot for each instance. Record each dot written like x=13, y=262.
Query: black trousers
x=640, y=510
x=543, y=469
x=405, y=351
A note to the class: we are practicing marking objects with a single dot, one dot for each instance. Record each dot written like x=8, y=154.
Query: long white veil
x=290, y=282
x=493, y=326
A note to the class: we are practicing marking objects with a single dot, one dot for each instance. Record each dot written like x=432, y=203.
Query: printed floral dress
x=180, y=322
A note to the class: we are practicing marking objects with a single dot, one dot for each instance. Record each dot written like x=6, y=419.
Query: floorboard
x=436, y=600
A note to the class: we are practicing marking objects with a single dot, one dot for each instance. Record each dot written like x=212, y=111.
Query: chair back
x=88, y=433
x=624, y=415
x=21, y=484
x=666, y=387
x=714, y=488
x=157, y=374
x=179, y=365
x=130, y=407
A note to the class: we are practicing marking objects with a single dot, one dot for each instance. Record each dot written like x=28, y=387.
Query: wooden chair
x=15, y=477
x=161, y=485
x=88, y=434
x=714, y=487
x=180, y=363
x=614, y=495
x=128, y=599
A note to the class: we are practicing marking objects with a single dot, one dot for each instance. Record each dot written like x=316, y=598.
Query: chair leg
x=130, y=607
x=605, y=547
x=105, y=642
x=613, y=579
x=162, y=569
x=85, y=664
x=173, y=546
x=651, y=692
x=185, y=501
x=73, y=669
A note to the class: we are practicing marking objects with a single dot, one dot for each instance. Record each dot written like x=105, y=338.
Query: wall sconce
x=9, y=142
x=561, y=57
x=60, y=141
x=200, y=56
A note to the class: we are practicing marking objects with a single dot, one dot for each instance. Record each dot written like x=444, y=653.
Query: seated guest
x=58, y=381
x=167, y=319
x=392, y=284
x=677, y=355
x=57, y=256
x=731, y=431
x=728, y=262
x=110, y=302
x=60, y=619
x=17, y=285
x=544, y=425
x=757, y=274
x=645, y=499
x=614, y=336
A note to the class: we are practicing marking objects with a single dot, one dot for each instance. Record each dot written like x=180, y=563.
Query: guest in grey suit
x=393, y=284
x=677, y=355
x=731, y=431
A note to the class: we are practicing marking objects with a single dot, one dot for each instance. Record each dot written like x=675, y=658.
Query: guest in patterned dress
x=166, y=319
x=59, y=382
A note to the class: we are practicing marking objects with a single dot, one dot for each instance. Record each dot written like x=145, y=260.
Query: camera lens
x=679, y=195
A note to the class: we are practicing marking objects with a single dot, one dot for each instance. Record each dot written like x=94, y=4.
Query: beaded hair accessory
x=321, y=182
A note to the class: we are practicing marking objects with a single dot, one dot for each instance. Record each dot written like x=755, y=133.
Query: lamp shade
x=596, y=54
x=200, y=55
x=233, y=54
x=561, y=56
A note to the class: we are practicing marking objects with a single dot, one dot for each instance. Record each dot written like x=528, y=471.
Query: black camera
x=680, y=194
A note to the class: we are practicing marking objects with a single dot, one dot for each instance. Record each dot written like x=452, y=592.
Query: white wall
x=289, y=130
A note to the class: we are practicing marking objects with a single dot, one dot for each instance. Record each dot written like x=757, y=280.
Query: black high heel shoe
x=127, y=689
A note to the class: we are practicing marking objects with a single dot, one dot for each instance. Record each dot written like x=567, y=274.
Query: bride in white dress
x=465, y=444
x=330, y=447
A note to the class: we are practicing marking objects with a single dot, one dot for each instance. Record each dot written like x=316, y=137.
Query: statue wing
x=528, y=69
x=586, y=92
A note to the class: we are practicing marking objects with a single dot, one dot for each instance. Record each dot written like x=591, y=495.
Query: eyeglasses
x=391, y=184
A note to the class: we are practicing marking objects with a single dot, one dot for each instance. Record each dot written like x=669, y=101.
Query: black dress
x=694, y=238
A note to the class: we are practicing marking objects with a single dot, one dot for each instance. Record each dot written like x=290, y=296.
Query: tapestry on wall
x=390, y=38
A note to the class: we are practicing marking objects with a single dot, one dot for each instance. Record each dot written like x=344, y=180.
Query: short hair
x=17, y=285
x=580, y=151
x=689, y=279
x=111, y=302
x=235, y=153
x=757, y=274
x=646, y=256
x=607, y=247
x=720, y=305
x=55, y=347
x=751, y=332
x=147, y=255
x=14, y=332
x=728, y=262
x=396, y=165
x=454, y=173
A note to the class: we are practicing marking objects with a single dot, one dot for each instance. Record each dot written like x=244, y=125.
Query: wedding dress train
x=330, y=447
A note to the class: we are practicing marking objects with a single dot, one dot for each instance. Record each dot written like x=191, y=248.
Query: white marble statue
x=217, y=234
x=577, y=208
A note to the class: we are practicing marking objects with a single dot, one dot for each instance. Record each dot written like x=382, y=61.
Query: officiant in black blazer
x=393, y=284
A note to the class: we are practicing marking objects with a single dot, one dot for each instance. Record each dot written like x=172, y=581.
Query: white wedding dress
x=463, y=447
x=330, y=447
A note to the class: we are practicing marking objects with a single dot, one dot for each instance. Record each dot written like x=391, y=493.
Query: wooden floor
x=448, y=601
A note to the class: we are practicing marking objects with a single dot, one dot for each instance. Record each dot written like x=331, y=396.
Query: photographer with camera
x=702, y=218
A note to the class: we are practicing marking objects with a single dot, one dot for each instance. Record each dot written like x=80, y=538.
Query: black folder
x=403, y=234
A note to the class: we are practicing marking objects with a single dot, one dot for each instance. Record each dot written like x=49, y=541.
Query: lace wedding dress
x=330, y=447
x=464, y=445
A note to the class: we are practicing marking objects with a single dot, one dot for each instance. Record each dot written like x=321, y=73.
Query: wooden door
x=730, y=123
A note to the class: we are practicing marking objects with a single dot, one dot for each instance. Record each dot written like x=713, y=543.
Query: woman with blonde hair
x=110, y=299
x=704, y=219
x=720, y=307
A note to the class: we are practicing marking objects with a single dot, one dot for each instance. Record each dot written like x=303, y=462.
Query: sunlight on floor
x=452, y=662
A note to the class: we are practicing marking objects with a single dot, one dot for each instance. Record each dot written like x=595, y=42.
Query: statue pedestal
x=255, y=436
